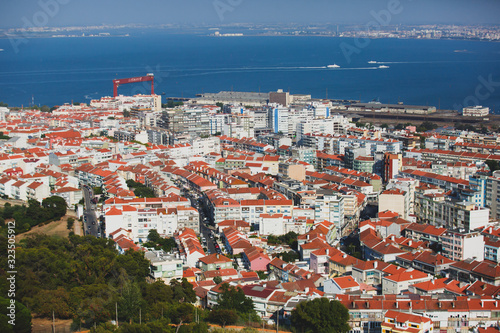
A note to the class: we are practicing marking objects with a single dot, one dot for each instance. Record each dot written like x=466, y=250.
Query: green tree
x=57, y=301
x=183, y=291
x=153, y=236
x=55, y=207
x=160, y=326
x=182, y=313
x=426, y=126
x=320, y=316
x=157, y=292
x=492, y=165
x=134, y=264
x=223, y=317
x=140, y=190
x=8, y=210
x=144, y=192
x=289, y=256
x=262, y=275
x=130, y=302
x=233, y=298
x=167, y=244
x=35, y=213
x=97, y=190
x=70, y=223
x=217, y=280
x=289, y=239
x=22, y=317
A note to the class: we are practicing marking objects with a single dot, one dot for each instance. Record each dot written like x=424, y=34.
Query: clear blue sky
x=13, y=13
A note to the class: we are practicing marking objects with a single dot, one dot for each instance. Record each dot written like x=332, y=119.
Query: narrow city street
x=90, y=223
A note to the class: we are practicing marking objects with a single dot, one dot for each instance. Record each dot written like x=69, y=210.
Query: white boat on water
x=372, y=62
x=333, y=66
x=383, y=66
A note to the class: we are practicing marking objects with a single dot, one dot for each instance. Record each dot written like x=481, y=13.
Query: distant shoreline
x=4, y=36
x=489, y=33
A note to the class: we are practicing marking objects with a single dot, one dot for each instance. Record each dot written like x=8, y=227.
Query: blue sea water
x=445, y=73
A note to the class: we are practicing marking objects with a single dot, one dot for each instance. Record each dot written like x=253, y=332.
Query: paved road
x=210, y=242
x=90, y=223
x=205, y=231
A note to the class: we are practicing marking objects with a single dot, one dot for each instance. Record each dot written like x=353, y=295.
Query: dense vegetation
x=289, y=256
x=140, y=190
x=232, y=306
x=157, y=242
x=171, y=104
x=289, y=239
x=22, y=318
x=427, y=126
x=85, y=279
x=51, y=209
x=493, y=165
x=320, y=316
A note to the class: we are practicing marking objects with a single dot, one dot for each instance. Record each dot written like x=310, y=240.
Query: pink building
x=255, y=259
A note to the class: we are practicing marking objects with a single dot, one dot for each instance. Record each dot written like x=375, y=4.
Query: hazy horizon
x=59, y=13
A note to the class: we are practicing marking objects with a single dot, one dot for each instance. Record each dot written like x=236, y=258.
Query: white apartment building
x=407, y=185
x=272, y=224
x=279, y=119
x=463, y=245
x=206, y=145
x=329, y=207
x=139, y=221
x=437, y=210
x=396, y=201
x=332, y=125
x=217, y=122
